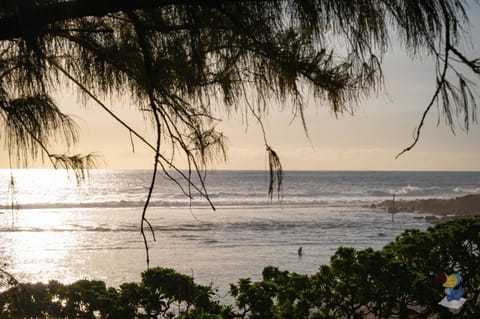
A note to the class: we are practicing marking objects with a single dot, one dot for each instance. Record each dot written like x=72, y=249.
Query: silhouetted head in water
x=300, y=251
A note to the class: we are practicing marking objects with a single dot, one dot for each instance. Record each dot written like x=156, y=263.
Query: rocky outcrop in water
x=468, y=205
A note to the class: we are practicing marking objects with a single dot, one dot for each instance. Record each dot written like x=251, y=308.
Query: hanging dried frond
x=79, y=164
x=276, y=173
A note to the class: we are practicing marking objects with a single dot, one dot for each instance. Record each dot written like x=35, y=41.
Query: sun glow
x=38, y=242
x=36, y=188
x=30, y=223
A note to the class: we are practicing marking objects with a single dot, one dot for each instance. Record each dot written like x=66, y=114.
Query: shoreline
x=440, y=208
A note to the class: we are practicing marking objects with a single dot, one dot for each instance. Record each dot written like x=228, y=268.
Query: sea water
x=53, y=228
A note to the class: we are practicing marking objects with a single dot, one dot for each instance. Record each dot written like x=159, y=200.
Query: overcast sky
x=369, y=140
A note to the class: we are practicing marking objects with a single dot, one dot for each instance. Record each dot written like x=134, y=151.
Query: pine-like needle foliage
x=175, y=58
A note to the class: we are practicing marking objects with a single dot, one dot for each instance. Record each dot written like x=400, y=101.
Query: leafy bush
x=162, y=293
x=394, y=282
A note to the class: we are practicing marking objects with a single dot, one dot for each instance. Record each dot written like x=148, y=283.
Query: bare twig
x=440, y=83
x=140, y=137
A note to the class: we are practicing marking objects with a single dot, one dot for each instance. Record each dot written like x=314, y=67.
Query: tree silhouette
x=175, y=58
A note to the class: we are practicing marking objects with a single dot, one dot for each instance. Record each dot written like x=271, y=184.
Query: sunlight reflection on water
x=40, y=256
x=68, y=232
x=215, y=247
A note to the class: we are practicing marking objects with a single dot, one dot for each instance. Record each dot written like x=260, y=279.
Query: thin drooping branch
x=142, y=139
x=176, y=136
x=274, y=163
x=416, y=136
x=147, y=65
x=158, y=158
x=144, y=219
x=102, y=105
x=473, y=64
x=441, y=80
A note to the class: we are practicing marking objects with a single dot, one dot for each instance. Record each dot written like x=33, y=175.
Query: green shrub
x=155, y=296
x=394, y=282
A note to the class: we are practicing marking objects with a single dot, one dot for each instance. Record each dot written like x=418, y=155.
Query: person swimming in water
x=300, y=251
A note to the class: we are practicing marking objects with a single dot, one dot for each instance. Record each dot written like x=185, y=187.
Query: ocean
x=64, y=231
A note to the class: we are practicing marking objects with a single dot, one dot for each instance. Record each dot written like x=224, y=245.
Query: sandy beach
x=468, y=205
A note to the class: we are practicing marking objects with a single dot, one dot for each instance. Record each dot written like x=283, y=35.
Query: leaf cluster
x=179, y=60
x=162, y=293
x=394, y=282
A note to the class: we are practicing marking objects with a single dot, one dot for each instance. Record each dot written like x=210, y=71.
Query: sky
x=368, y=140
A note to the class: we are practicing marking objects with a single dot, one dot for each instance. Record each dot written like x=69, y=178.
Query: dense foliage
x=394, y=282
x=162, y=293
x=185, y=64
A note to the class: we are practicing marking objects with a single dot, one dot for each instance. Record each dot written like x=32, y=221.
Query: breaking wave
x=265, y=202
